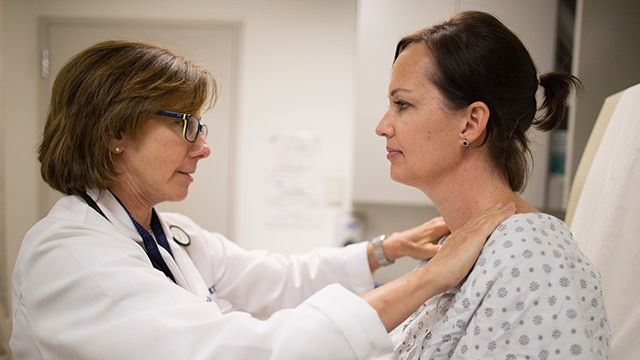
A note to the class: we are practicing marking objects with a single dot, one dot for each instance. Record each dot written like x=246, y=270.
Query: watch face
x=180, y=236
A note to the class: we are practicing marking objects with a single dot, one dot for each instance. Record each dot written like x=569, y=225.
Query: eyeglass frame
x=186, y=118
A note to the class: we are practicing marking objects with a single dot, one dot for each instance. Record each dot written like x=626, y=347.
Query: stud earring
x=465, y=143
x=117, y=150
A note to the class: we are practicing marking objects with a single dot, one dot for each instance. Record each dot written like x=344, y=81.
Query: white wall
x=607, y=58
x=295, y=73
x=5, y=311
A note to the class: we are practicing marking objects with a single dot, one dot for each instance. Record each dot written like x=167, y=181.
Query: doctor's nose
x=200, y=148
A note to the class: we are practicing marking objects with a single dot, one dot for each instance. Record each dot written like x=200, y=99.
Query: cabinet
x=380, y=24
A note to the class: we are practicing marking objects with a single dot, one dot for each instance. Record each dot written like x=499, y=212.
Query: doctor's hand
x=419, y=242
x=461, y=249
x=397, y=299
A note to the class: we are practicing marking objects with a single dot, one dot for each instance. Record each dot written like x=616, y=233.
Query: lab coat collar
x=181, y=266
x=115, y=213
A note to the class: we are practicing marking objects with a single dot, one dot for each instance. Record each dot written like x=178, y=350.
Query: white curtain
x=606, y=219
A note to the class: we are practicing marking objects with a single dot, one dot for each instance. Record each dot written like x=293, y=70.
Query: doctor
x=104, y=276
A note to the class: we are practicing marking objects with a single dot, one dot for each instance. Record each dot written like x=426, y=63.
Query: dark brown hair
x=477, y=58
x=109, y=89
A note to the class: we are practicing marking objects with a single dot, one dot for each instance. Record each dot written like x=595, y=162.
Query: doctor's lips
x=391, y=152
x=186, y=174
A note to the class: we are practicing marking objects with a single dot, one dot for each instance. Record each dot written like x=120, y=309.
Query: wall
x=5, y=313
x=295, y=73
x=607, y=58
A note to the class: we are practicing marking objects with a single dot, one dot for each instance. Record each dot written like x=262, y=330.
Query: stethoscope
x=150, y=245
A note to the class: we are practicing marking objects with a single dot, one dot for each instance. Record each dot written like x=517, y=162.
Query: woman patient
x=462, y=97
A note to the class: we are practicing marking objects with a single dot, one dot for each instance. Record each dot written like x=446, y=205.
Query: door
x=209, y=44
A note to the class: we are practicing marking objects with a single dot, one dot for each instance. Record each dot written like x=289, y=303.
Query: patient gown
x=531, y=295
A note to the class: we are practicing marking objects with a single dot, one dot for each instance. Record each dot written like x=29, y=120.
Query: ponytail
x=557, y=87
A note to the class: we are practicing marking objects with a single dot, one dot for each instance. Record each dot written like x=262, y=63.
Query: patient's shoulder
x=533, y=229
x=528, y=238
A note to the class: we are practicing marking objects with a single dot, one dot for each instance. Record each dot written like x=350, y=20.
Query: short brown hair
x=109, y=89
x=477, y=58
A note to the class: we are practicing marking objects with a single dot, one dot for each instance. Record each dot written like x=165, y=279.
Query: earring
x=117, y=150
x=465, y=143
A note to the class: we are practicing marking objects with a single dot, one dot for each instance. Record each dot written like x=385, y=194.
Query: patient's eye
x=401, y=104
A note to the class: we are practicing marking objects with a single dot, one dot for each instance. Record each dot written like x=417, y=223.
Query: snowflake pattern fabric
x=532, y=294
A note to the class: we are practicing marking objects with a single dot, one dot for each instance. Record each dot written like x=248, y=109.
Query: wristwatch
x=378, y=251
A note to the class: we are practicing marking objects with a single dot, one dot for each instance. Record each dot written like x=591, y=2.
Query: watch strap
x=378, y=251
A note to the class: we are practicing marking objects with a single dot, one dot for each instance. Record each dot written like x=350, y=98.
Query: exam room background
x=297, y=70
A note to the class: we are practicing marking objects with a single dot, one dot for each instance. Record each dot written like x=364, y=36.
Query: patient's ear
x=476, y=117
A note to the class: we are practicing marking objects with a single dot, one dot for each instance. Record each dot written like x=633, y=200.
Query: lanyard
x=150, y=244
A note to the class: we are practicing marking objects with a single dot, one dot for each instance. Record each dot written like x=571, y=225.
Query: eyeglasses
x=192, y=126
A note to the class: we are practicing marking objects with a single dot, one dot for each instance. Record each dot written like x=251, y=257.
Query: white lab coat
x=84, y=288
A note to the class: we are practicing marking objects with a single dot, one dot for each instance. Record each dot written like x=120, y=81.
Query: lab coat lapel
x=182, y=267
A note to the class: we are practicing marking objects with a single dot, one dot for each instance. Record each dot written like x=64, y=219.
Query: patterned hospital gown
x=531, y=295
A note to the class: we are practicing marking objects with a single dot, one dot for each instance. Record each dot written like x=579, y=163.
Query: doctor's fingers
x=430, y=231
x=477, y=230
x=417, y=242
x=462, y=247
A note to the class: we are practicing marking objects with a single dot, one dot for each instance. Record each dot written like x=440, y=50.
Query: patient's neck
x=459, y=201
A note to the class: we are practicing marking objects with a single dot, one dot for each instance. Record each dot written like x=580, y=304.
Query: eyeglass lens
x=193, y=125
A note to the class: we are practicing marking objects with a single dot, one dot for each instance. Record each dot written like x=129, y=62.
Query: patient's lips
x=391, y=152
